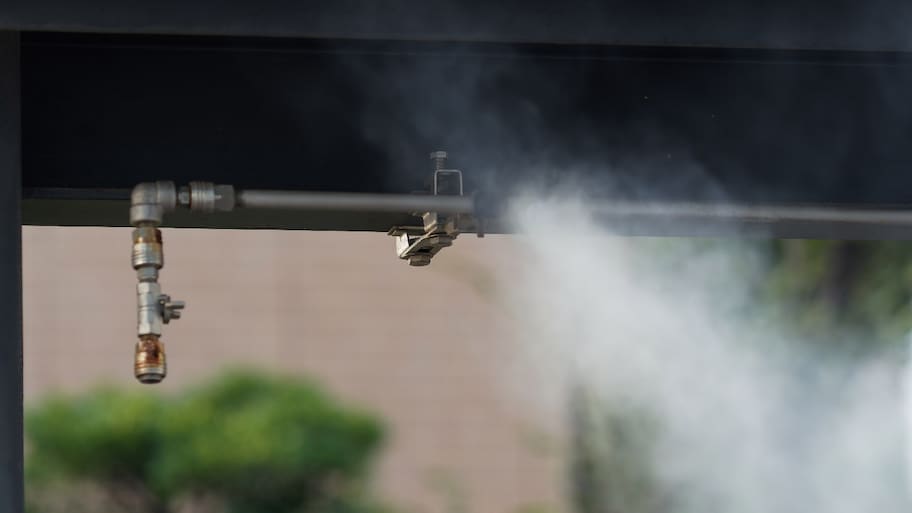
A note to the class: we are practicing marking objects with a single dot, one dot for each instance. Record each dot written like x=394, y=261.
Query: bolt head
x=419, y=260
x=438, y=155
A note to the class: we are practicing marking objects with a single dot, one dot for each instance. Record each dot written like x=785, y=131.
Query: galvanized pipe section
x=737, y=214
x=355, y=202
x=608, y=210
x=807, y=221
x=148, y=204
x=150, y=201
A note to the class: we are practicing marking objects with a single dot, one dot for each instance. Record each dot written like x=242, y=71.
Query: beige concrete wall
x=422, y=347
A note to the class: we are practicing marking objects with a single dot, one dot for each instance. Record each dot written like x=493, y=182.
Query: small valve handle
x=170, y=309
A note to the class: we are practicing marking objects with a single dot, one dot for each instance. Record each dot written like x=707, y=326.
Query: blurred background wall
x=417, y=346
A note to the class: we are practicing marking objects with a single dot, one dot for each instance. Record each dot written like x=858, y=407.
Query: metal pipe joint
x=444, y=214
x=207, y=197
x=148, y=204
x=149, y=201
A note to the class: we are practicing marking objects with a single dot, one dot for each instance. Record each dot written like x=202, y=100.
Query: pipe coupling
x=147, y=247
x=207, y=197
x=150, y=200
x=149, y=363
x=148, y=308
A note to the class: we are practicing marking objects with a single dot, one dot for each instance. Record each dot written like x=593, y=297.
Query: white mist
x=748, y=420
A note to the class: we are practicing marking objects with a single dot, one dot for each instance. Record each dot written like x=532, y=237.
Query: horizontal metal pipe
x=624, y=216
x=355, y=202
x=767, y=214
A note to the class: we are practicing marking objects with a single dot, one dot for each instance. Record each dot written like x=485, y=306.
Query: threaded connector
x=147, y=247
x=439, y=157
x=149, y=364
x=207, y=197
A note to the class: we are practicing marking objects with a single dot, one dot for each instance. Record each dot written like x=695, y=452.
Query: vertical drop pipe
x=149, y=202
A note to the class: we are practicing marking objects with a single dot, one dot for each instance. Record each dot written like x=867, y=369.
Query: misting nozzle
x=149, y=364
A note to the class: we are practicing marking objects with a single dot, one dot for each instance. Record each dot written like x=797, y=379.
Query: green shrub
x=257, y=443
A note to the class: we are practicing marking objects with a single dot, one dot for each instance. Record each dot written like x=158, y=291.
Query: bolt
x=419, y=260
x=439, y=158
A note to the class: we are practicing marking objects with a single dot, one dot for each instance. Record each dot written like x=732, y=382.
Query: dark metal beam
x=11, y=475
x=844, y=24
x=652, y=124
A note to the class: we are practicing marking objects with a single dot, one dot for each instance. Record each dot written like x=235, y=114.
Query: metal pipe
x=150, y=201
x=604, y=209
x=619, y=209
x=355, y=202
x=148, y=204
x=753, y=213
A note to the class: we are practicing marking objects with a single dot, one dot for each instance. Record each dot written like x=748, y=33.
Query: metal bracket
x=418, y=247
x=170, y=309
x=419, y=244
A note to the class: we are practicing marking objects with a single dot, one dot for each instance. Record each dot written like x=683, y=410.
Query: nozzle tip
x=149, y=365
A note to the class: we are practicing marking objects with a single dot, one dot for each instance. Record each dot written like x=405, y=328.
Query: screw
x=439, y=158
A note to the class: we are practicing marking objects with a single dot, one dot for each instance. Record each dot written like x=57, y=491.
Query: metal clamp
x=417, y=247
x=419, y=244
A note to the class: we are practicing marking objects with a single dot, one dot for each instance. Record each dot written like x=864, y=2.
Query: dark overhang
x=726, y=101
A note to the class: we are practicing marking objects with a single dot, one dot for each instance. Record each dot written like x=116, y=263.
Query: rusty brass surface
x=147, y=234
x=147, y=248
x=149, y=364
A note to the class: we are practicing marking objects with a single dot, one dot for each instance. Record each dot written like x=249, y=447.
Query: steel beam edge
x=11, y=426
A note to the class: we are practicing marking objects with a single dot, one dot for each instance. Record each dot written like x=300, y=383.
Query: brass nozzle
x=149, y=365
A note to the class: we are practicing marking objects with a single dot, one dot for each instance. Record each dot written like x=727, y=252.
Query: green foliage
x=261, y=444
x=612, y=467
x=107, y=434
x=836, y=290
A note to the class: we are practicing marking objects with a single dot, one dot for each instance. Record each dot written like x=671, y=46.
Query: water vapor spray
x=702, y=401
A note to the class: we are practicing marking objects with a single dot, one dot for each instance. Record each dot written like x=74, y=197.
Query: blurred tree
x=840, y=291
x=245, y=442
x=611, y=470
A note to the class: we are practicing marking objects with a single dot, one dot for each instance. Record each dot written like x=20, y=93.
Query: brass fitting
x=149, y=202
x=149, y=364
x=147, y=247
